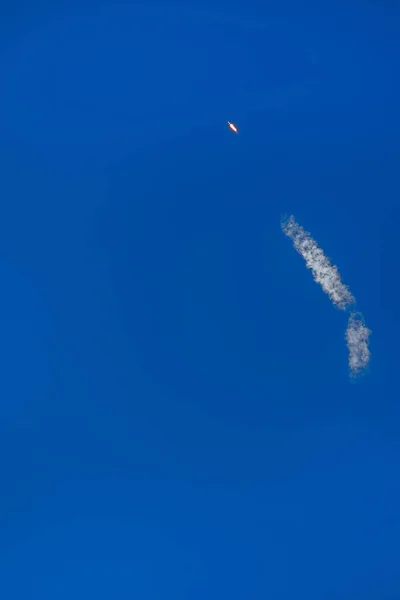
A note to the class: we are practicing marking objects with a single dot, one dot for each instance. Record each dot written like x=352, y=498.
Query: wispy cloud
x=324, y=273
x=357, y=335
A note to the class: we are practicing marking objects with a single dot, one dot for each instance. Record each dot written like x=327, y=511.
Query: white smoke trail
x=357, y=335
x=324, y=273
x=327, y=275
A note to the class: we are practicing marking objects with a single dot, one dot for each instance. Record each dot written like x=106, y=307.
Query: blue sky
x=176, y=416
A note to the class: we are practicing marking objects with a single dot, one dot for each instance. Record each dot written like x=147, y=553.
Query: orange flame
x=233, y=127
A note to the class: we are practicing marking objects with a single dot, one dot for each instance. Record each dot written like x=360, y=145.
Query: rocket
x=233, y=127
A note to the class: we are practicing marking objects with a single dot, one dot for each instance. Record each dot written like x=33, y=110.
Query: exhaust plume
x=327, y=275
x=324, y=273
x=357, y=335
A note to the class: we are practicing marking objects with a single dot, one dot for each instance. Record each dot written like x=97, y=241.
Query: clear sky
x=176, y=416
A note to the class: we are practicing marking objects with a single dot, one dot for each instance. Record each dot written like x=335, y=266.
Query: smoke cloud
x=324, y=273
x=357, y=335
x=327, y=275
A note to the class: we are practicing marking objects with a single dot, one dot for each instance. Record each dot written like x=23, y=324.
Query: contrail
x=357, y=335
x=327, y=275
x=324, y=273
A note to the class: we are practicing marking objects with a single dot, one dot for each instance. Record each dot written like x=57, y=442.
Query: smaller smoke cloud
x=357, y=335
x=324, y=273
